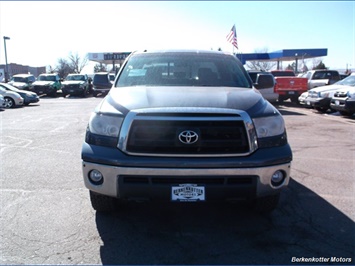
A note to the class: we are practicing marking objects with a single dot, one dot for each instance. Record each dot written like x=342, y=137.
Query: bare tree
x=63, y=68
x=263, y=65
x=77, y=63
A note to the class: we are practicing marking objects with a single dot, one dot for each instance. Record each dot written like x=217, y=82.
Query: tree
x=76, y=63
x=63, y=68
x=321, y=65
x=100, y=68
x=261, y=65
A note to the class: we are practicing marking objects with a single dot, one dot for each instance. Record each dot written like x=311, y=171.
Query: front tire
x=346, y=113
x=8, y=102
x=102, y=203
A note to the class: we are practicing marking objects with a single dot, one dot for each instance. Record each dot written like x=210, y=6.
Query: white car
x=11, y=99
x=302, y=98
x=320, y=97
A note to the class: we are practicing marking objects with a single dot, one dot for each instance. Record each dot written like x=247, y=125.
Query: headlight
x=105, y=125
x=269, y=126
x=323, y=94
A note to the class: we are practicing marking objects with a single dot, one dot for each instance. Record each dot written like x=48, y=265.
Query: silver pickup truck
x=185, y=126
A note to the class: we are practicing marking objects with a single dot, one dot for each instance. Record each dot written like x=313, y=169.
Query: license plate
x=188, y=192
x=337, y=102
x=291, y=92
x=40, y=92
x=308, y=103
x=71, y=91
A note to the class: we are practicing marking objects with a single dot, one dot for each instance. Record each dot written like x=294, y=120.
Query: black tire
x=102, y=203
x=94, y=94
x=294, y=99
x=322, y=109
x=9, y=103
x=346, y=113
x=282, y=98
x=267, y=204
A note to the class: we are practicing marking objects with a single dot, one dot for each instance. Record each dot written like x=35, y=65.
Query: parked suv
x=22, y=81
x=76, y=84
x=185, y=126
x=344, y=99
x=47, y=84
x=101, y=83
x=268, y=93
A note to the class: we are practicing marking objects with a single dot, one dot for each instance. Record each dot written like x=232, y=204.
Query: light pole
x=7, y=67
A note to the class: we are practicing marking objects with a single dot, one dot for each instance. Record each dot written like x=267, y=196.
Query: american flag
x=232, y=37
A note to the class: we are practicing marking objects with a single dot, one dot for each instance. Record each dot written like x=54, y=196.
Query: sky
x=41, y=32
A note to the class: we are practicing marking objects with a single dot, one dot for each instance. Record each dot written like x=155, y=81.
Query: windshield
x=183, y=69
x=76, y=77
x=46, y=78
x=19, y=79
x=348, y=81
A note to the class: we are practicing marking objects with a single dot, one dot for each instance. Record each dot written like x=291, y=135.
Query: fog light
x=96, y=177
x=277, y=178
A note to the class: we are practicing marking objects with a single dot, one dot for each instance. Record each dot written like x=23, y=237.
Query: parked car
x=22, y=81
x=101, y=83
x=343, y=99
x=185, y=126
x=268, y=93
x=302, y=98
x=47, y=84
x=76, y=84
x=28, y=96
x=320, y=97
x=11, y=99
x=321, y=77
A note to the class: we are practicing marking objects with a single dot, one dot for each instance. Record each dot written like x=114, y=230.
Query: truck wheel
x=102, y=203
x=267, y=204
x=295, y=100
x=346, y=113
x=282, y=98
x=322, y=109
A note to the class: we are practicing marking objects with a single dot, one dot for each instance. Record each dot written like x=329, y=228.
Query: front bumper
x=318, y=102
x=134, y=177
x=29, y=100
x=344, y=105
x=73, y=91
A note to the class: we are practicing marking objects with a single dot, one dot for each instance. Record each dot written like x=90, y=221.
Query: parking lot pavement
x=46, y=216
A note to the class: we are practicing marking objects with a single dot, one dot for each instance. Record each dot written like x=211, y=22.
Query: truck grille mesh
x=162, y=137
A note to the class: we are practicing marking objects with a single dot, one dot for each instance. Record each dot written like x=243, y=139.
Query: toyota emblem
x=188, y=137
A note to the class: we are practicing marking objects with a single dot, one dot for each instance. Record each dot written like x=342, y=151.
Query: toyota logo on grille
x=188, y=137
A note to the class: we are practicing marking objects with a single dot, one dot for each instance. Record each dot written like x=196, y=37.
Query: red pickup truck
x=288, y=86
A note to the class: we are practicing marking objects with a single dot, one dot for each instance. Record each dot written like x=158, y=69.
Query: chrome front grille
x=160, y=135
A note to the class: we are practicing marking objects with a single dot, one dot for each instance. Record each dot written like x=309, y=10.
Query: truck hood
x=73, y=82
x=333, y=87
x=42, y=83
x=18, y=84
x=122, y=100
x=346, y=89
